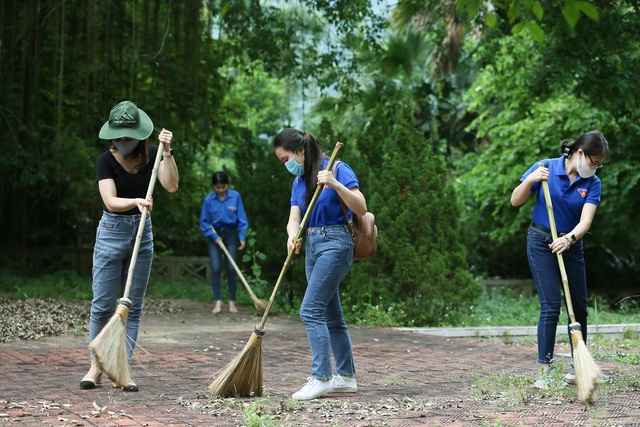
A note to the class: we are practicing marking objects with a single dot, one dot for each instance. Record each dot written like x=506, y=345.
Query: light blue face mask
x=294, y=167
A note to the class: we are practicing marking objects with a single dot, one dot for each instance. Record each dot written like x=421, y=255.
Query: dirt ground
x=404, y=379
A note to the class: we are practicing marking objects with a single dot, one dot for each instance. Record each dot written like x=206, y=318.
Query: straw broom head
x=243, y=375
x=110, y=347
x=261, y=307
x=586, y=369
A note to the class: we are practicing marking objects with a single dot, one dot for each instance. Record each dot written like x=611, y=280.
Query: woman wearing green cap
x=123, y=173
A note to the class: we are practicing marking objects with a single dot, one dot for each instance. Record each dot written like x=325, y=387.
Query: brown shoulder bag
x=363, y=230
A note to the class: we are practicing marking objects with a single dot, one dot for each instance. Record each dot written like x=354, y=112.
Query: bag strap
x=344, y=208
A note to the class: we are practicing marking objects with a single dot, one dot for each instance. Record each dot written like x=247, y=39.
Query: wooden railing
x=38, y=261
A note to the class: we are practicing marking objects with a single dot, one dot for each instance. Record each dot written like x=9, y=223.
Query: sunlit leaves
x=573, y=8
x=525, y=14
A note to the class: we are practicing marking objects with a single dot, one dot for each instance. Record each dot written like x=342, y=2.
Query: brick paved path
x=404, y=379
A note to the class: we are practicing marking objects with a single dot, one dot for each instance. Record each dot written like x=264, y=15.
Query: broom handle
x=554, y=234
x=235, y=266
x=143, y=219
x=305, y=218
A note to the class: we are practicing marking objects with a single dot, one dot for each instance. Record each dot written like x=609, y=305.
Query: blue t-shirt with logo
x=567, y=198
x=328, y=210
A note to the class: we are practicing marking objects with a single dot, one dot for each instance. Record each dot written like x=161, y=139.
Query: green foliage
x=65, y=285
x=528, y=98
x=508, y=308
x=256, y=414
x=418, y=274
x=526, y=14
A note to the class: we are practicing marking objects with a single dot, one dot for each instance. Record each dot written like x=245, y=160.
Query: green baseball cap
x=127, y=120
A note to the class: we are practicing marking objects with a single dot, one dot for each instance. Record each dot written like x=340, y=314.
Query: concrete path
x=404, y=379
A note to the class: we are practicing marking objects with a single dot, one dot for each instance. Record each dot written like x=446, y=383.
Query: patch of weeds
x=628, y=358
x=624, y=382
x=290, y=405
x=528, y=340
x=395, y=380
x=506, y=337
x=630, y=333
x=253, y=415
x=514, y=389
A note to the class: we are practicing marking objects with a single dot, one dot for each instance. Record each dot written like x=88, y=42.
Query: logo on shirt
x=232, y=209
x=583, y=192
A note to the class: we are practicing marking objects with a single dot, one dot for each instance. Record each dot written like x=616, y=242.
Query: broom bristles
x=261, y=306
x=110, y=348
x=586, y=370
x=243, y=375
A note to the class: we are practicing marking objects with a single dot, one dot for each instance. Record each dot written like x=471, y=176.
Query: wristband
x=168, y=153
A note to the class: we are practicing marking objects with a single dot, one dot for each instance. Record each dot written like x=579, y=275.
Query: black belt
x=540, y=227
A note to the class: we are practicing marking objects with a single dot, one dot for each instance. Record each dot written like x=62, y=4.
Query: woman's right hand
x=141, y=203
x=540, y=174
x=293, y=246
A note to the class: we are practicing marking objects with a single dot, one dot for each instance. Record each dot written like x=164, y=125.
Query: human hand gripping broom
x=243, y=375
x=586, y=369
x=258, y=304
x=110, y=346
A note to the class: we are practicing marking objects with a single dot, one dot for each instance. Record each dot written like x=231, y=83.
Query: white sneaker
x=340, y=384
x=312, y=389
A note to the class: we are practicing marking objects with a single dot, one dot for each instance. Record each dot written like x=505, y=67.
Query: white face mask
x=584, y=170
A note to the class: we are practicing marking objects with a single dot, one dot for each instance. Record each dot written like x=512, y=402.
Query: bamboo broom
x=243, y=375
x=259, y=304
x=586, y=369
x=110, y=346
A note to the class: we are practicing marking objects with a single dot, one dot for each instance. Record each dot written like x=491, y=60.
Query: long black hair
x=292, y=139
x=593, y=143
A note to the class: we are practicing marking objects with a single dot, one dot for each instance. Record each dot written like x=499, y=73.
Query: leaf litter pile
x=38, y=318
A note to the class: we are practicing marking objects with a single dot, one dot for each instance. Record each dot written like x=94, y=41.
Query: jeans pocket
x=333, y=235
x=108, y=224
x=538, y=235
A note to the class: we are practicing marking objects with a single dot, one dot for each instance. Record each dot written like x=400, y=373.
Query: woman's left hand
x=165, y=137
x=325, y=177
x=241, y=247
x=560, y=245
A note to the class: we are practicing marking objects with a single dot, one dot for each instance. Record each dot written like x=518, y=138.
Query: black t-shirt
x=128, y=185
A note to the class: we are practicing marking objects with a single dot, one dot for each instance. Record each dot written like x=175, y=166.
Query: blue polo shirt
x=328, y=210
x=567, y=198
x=227, y=213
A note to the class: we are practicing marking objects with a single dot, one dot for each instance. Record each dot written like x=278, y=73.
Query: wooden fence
x=37, y=261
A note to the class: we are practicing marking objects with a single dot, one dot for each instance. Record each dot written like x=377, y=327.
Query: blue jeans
x=112, y=253
x=230, y=239
x=329, y=255
x=546, y=274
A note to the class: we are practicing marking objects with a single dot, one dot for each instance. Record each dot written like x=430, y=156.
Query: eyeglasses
x=594, y=167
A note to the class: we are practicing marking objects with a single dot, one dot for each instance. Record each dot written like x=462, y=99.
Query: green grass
x=492, y=309
x=67, y=285
x=509, y=309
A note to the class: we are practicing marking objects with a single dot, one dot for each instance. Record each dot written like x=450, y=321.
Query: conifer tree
x=419, y=275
